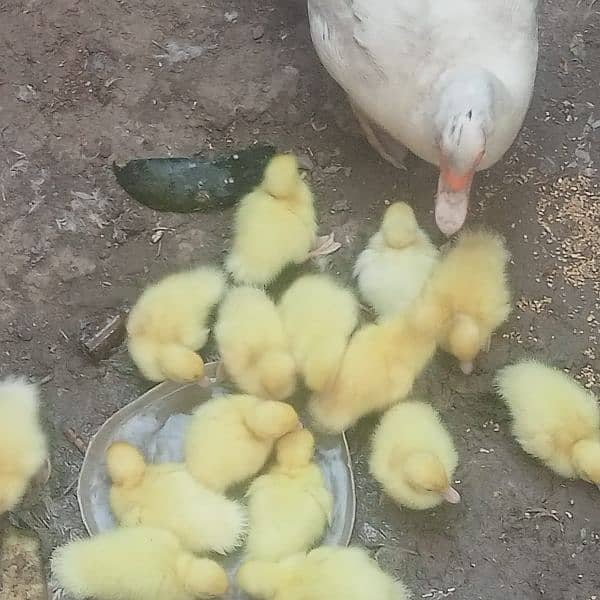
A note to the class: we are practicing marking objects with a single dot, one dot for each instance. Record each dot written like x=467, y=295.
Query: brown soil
x=83, y=83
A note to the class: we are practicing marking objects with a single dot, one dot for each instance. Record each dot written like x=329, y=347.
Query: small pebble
x=340, y=205
x=305, y=162
x=258, y=32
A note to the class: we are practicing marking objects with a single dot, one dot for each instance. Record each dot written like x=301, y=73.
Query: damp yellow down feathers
x=325, y=573
x=290, y=506
x=253, y=346
x=168, y=324
x=230, y=438
x=166, y=496
x=135, y=563
x=23, y=447
x=555, y=419
x=275, y=225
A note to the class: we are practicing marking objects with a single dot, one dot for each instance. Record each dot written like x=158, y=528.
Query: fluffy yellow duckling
x=230, y=438
x=23, y=450
x=396, y=264
x=253, y=347
x=471, y=284
x=167, y=325
x=275, y=225
x=318, y=316
x=325, y=573
x=379, y=368
x=290, y=506
x=135, y=563
x=413, y=456
x=554, y=418
x=167, y=496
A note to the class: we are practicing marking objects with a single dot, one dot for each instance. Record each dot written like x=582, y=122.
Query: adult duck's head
x=464, y=124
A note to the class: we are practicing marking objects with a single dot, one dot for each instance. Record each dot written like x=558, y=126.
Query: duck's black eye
x=470, y=115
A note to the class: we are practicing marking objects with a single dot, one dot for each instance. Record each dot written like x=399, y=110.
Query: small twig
x=111, y=81
x=318, y=128
x=542, y=512
x=70, y=487
x=407, y=550
x=159, y=46
x=46, y=379
x=75, y=440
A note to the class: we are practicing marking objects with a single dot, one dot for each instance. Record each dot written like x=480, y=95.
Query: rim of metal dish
x=210, y=371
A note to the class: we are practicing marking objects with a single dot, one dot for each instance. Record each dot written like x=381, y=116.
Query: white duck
x=449, y=80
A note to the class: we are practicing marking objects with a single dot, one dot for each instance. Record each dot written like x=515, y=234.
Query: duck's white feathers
x=393, y=56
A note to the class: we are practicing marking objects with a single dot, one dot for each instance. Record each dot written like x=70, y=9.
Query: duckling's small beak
x=451, y=496
x=204, y=381
x=220, y=373
x=466, y=366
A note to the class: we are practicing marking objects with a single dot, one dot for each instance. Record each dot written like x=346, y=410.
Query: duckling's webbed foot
x=389, y=148
x=467, y=367
x=325, y=244
x=488, y=344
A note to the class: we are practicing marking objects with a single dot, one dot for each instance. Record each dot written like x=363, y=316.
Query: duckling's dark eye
x=470, y=115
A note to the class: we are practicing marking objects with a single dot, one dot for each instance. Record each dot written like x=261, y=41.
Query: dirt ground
x=83, y=83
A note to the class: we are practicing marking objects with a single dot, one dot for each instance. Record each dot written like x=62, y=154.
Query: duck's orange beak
x=452, y=201
x=456, y=182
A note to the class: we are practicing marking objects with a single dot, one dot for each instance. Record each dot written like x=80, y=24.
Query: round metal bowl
x=155, y=423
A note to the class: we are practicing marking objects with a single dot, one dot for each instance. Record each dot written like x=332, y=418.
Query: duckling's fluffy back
x=135, y=562
x=324, y=573
x=23, y=447
x=275, y=225
x=169, y=322
x=289, y=506
x=167, y=496
x=550, y=411
x=253, y=345
x=220, y=448
x=396, y=264
x=295, y=449
x=471, y=279
x=379, y=368
x=175, y=309
x=318, y=316
x=409, y=428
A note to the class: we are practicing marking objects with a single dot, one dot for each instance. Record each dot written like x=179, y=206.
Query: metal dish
x=155, y=423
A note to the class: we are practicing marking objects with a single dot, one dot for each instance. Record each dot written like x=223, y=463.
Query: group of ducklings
x=172, y=515
x=423, y=299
